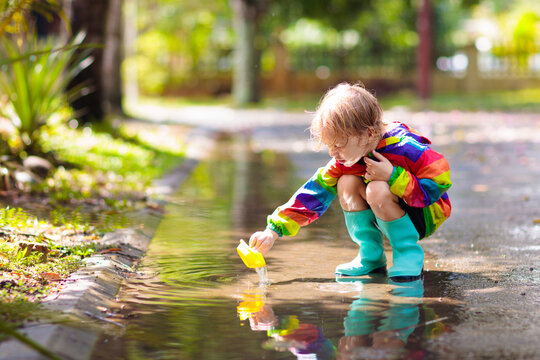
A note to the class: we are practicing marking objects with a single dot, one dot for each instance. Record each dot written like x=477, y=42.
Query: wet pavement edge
x=95, y=285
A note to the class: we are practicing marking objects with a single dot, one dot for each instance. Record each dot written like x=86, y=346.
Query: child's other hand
x=378, y=170
x=263, y=241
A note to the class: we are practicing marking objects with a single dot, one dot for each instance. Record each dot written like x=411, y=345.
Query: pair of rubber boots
x=408, y=256
x=401, y=313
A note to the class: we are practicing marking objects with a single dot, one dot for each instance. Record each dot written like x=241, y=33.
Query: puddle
x=195, y=299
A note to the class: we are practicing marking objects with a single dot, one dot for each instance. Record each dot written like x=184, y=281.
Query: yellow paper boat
x=251, y=257
x=246, y=308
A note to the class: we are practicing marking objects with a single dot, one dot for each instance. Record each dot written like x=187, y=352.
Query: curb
x=94, y=286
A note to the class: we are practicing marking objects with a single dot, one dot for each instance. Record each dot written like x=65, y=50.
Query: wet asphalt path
x=492, y=241
x=490, y=245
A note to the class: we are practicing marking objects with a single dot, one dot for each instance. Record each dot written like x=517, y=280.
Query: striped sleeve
x=308, y=203
x=426, y=183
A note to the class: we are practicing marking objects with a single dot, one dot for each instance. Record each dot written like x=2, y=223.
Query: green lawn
x=525, y=100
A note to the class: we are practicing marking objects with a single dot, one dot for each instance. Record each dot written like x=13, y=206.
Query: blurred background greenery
x=240, y=52
x=300, y=48
x=100, y=58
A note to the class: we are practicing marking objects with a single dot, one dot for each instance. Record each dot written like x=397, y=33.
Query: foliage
x=105, y=166
x=69, y=228
x=177, y=39
x=26, y=277
x=183, y=42
x=14, y=13
x=377, y=25
x=35, y=84
x=518, y=30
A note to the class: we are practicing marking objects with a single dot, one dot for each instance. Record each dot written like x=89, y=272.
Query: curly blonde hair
x=346, y=110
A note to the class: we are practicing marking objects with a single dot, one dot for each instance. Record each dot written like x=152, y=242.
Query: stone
x=34, y=247
x=38, y=166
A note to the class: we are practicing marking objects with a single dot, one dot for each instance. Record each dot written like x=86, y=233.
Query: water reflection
x=286, y=332
x=380, y=320
x=377, y=329
x=193, y=286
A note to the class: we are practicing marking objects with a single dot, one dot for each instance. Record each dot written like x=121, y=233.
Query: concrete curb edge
x=95, y=284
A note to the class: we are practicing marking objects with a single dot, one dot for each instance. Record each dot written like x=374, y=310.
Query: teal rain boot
x=403, y=315
x=408, y=255
x=371, y=258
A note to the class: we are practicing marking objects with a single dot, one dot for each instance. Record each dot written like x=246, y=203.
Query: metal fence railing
x=309, y=59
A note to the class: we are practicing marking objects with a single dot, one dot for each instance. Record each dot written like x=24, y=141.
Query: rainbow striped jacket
x=421, y=177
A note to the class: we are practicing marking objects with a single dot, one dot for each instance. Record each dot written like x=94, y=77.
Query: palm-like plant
x=35, y=75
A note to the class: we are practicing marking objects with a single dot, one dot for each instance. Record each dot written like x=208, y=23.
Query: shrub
x=35, y=75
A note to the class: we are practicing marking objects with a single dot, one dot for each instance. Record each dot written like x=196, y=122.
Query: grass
x=26, y=277
x=524, y=100
x=104, y=180
x=108, y=176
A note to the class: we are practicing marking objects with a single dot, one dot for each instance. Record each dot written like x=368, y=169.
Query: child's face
x=349, y=151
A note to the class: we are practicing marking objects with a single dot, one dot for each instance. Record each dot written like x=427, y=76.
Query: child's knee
x=378, y=195
x=351, y=192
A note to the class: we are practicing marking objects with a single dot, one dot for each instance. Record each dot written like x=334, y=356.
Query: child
x=387, y=179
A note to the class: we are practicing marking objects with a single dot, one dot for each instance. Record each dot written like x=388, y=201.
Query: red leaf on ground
x=50, y=276
x=110, y=250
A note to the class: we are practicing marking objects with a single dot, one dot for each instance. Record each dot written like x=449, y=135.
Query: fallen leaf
x=50, y=276
x=110, y=250
x=536, y=221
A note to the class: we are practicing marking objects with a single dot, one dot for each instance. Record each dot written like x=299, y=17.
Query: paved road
x=491, y=242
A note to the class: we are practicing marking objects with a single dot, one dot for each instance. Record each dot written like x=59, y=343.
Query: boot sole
x=379, y=270
x=407, y=278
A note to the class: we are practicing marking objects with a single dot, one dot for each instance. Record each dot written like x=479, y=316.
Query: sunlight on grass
x=508, y=100
x=33, y=258
x=525, y=100
x=104, y=177
x=106, y=166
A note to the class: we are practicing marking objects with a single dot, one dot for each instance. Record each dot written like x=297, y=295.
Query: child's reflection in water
x=374, y=328
x=379, y=330
x=304, y=340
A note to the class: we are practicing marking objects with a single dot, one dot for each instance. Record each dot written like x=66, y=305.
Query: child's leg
x=383, y=202
x=351, y=192
x=400, y=230
x=360, y=222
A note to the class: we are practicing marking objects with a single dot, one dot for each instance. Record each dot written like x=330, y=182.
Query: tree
x=246, y=18
x=101, y=20
x=112, y=59
x=252, y=16
x=424, y=24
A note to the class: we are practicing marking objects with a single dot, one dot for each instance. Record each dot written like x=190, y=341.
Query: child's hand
x=263, y=319
x=263, y=240
x=378, y=170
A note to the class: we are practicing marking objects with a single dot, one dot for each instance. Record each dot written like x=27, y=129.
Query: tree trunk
x=112, y=59
x=424, y=49
x=102, y=22
x=245, y=86
x=87, y=16
x=282, y=71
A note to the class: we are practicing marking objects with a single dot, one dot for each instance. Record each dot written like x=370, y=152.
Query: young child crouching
x=387, y=178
